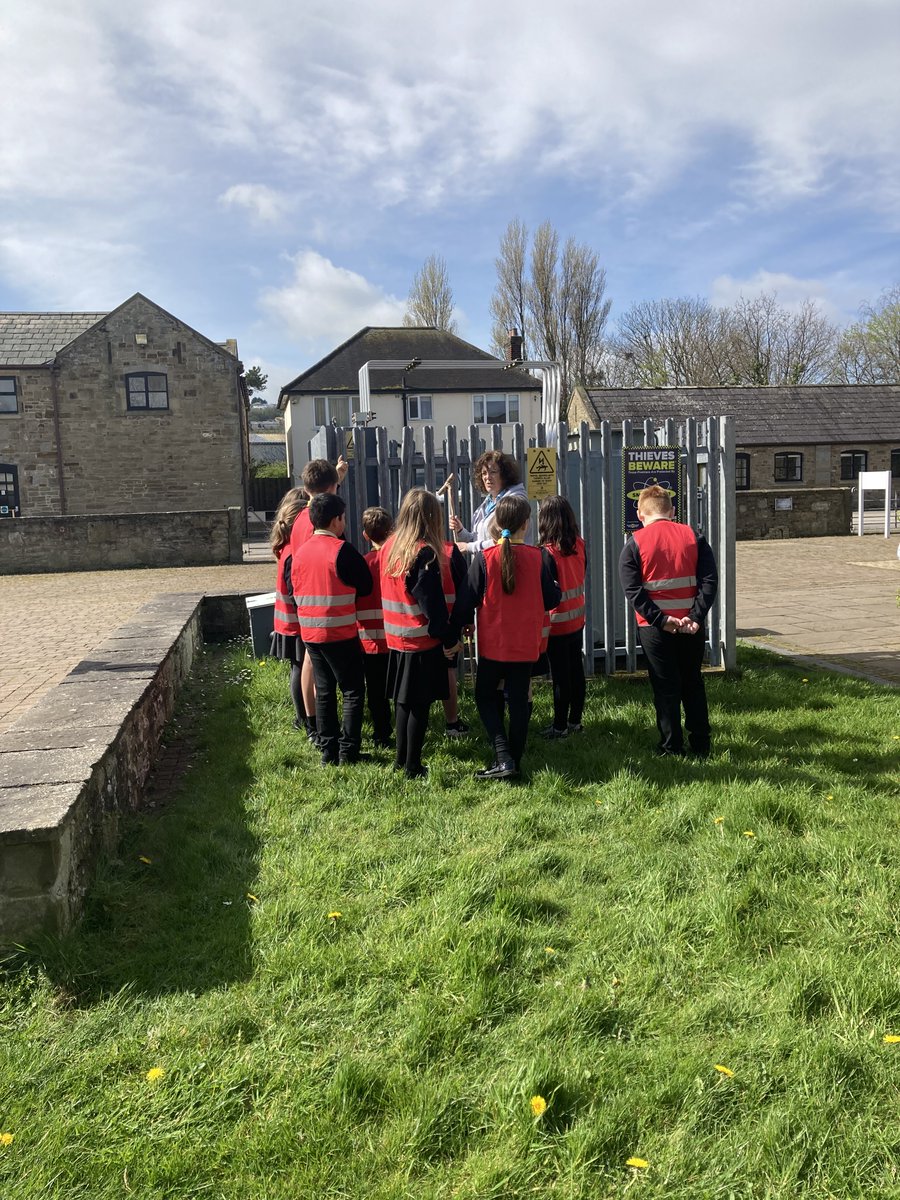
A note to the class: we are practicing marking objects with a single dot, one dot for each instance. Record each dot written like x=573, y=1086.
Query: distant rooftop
x=33, y=339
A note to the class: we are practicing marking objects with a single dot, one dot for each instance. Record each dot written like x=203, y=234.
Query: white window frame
x=510, y=400
x=420, y=401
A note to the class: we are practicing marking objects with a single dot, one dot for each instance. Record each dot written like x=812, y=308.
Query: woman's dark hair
x=510, y=515
x=557, y=525
x=508, y=468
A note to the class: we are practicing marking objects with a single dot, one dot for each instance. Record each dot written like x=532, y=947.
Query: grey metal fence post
x=713, y=492
x=690, y=472
x=584, y=500
x=407, y=450
x=630, y=623
x=609, y=608
x=385, y=499
x=428, y=454
x=728, y=537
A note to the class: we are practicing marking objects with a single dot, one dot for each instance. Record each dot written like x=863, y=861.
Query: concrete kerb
x=77, y=761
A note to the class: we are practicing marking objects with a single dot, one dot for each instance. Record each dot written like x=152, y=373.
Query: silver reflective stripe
x=327, y=622
x=371, y=635
x=671, y=605
x=416, y=631
x=284, y=597
x=658, y=585
x=411, y=610
x=369, y=614
x=449, y=597
x=572, y=593
x=557, y=617
x=325, y=601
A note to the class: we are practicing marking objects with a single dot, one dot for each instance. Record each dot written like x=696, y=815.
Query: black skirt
x=288, y=646
x=418, y=677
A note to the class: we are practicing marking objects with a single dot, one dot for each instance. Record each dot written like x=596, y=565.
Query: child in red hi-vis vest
x=421, y=635
x=286, y=642
x=377, y=524
x=558, y=533
x=512, y=586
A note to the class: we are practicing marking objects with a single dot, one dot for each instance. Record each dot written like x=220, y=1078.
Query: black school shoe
x=498, y=770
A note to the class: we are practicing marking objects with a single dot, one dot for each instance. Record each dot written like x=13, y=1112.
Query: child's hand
x=452, y=650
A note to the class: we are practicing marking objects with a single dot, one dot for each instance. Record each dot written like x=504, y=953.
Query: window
x=895, y=464
x=419, y=408
x=788, y=468
x=852, y=462
x=9, y=400
x=149, y=389
x=742, y=472
x=495, y=409
x=333, y=410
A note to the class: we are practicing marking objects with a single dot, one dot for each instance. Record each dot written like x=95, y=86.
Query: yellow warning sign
x=348, y=447
x=541, y=472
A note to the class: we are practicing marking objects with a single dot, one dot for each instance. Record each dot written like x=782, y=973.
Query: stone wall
x=821, y=465
x=815, y=512
x=96, y=543
x=28, y=441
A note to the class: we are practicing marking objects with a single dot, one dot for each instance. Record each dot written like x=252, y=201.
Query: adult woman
x=497, y=475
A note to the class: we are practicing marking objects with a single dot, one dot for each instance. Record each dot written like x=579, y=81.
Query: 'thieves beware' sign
x=643, y=466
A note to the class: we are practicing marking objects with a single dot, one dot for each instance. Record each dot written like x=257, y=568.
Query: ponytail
x=511, y=516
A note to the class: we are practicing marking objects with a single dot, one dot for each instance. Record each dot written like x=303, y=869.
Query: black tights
x=412, y=725
x=567, y=673
x=296, y=693
x=517, y=677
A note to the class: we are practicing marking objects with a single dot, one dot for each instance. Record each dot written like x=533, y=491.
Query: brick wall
x=97, y=543
x=816, y=512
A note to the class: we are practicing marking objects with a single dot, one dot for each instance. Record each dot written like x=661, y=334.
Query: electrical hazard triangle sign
x=541, y=472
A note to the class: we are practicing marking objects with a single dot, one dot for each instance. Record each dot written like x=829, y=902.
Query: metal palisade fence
x=590, y=476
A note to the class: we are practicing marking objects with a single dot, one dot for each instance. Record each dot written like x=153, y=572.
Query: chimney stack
x=514, y=345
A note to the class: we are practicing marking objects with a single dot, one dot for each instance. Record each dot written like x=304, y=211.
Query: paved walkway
x=831, y=599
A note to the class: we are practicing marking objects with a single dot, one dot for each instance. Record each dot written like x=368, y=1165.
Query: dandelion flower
x=829, y=797
x=253, y=899
x=804, y=681
x=723, y=1070
x=749, y=833
x=891, y=1039
x=154, y=1074
x=538, y=1105
x=640, y=1163
x=143, y=858
x=333, y=916
x=549, y=950
x=7, y=1139
x=718, y=820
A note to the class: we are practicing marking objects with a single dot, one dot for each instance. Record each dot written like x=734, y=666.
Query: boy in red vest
x=668, y=574
x=327, y=575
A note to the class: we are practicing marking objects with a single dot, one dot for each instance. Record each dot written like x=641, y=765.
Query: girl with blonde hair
x=421, y=635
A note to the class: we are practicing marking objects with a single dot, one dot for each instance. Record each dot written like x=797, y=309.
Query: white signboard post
x=874, y=481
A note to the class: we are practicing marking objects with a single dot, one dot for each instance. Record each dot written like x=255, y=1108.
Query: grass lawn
x=358, y=986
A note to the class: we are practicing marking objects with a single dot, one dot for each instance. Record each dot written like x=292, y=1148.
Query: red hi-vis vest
x=285, y=619
x=405, y=625
x=668, y=554
x=510, y=626
x=301, y=530
x=447, y=577
x=568, y=616
x=326, y=606
x=369, y=612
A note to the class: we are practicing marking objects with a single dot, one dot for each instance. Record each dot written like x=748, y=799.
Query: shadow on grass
x=172, y=910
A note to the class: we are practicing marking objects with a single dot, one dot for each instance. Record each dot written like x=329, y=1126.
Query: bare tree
x=430, y=299
x=869, y=350
x=556, y=300
x=775, y=345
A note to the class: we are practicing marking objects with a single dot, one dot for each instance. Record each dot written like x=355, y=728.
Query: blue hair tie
x=504, y=533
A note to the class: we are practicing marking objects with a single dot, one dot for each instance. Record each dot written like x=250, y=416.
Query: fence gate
x=589, y=475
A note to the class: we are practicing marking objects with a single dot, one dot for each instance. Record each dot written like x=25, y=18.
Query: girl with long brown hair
x=512, y=586
x=286, y=643
x=558, y=533
x=416, y=579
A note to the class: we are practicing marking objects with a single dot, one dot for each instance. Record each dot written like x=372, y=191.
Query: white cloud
x=324, y=303
x=837, y=295
x=263, y=203
x=69, y=269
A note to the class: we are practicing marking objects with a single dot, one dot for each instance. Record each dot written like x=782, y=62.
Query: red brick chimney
x=514, y=345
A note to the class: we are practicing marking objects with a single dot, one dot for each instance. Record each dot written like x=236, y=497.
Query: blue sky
x=278, y=174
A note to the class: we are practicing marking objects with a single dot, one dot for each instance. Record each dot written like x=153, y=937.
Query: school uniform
x=510, y=630
x=372, y=638
x=418, y=627
x=564, y=643
x=285, y=642
x=668, y=570
x=327, y=576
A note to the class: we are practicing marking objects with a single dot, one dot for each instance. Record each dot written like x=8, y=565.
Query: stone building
x=130, y=411
x=786, y=438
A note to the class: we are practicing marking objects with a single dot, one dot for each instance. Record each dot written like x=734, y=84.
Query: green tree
x=255, y=380
x=869, y=350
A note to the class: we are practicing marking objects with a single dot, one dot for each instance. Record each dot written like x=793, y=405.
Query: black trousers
x=517, y=676
x=338, y=666
x=674, y=661
x=567, y=673
x=375, y=666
